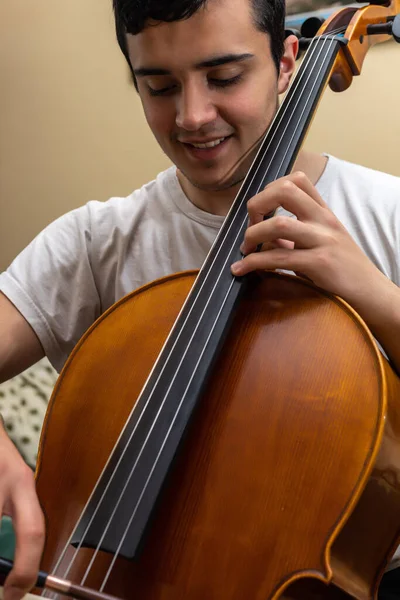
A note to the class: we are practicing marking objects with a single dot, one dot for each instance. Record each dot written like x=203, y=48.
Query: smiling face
x=209, y=89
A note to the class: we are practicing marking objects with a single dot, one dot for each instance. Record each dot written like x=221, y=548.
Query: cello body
x=287, y=482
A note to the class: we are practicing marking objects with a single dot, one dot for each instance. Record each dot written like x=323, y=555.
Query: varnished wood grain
x=296, y=428
x=350, y=59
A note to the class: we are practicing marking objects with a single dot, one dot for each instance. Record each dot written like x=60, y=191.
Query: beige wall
x=71, y=126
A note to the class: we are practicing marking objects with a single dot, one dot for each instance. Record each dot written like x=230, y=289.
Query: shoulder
x=367, y=172
x=354, y=177
x=367, y=202
x=150, y=198
x=82, y=225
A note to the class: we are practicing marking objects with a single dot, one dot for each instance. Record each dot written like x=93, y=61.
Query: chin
x=218, y=187
x=212, y=184
x=213, y=178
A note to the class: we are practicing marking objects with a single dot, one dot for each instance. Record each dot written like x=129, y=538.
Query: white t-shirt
x=91, y=257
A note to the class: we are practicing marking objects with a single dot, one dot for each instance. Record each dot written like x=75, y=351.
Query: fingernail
x=237, y=268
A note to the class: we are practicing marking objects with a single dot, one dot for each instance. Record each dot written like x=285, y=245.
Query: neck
x=219, y=202
x=216, y=202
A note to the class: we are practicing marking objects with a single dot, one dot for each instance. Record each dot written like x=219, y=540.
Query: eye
x=161, y=92
x=222, y=83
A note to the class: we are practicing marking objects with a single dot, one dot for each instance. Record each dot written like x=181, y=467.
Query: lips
x=205, y=144
x=206, y=150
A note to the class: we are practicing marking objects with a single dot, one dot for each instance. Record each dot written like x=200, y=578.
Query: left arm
x=318, y=246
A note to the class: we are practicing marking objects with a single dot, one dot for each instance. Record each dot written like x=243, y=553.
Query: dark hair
x=131, y=16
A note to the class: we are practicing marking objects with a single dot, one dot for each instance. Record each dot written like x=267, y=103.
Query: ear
x=288, y=63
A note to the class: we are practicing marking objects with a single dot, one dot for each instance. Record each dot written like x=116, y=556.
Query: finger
x=29, y=529
x=295, y=193
x=280, y=258
x=302, y=181
x=275, y=244
x=279, y=243
x=302, y=235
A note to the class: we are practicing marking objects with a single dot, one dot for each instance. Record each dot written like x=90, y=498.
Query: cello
x=234, y=460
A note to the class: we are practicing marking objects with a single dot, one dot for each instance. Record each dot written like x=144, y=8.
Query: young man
x=208, y=74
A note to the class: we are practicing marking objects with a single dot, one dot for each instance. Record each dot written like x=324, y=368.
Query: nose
x=194, y=109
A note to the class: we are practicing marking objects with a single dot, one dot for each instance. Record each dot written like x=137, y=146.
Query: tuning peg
x=396, y=28
x=391, y=27
x=310, y=27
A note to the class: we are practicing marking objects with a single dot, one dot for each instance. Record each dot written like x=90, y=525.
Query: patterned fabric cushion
x=23, y=403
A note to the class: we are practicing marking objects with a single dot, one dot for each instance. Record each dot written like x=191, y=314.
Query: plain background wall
x=71, y=124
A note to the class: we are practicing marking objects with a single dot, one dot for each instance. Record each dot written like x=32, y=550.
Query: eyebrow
x=212, y=62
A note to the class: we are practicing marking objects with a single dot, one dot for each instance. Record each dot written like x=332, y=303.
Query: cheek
x=251, y=113
x=252, y=107
x=160, y=119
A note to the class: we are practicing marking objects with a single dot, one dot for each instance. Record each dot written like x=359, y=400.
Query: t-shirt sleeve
x=51, y=283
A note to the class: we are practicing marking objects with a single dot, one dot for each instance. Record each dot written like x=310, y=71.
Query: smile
x=211, y=144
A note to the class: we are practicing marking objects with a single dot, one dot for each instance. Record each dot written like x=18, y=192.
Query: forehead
x=218, y=28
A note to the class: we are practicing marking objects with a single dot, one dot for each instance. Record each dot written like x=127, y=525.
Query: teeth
x=210, y=144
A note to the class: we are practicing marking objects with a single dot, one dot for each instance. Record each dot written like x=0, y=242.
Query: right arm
x=19, y=345
x=19, y=349
x=53, y=284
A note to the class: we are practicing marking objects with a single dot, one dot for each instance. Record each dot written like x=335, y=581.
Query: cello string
x=176, y=414
x=228, y=292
